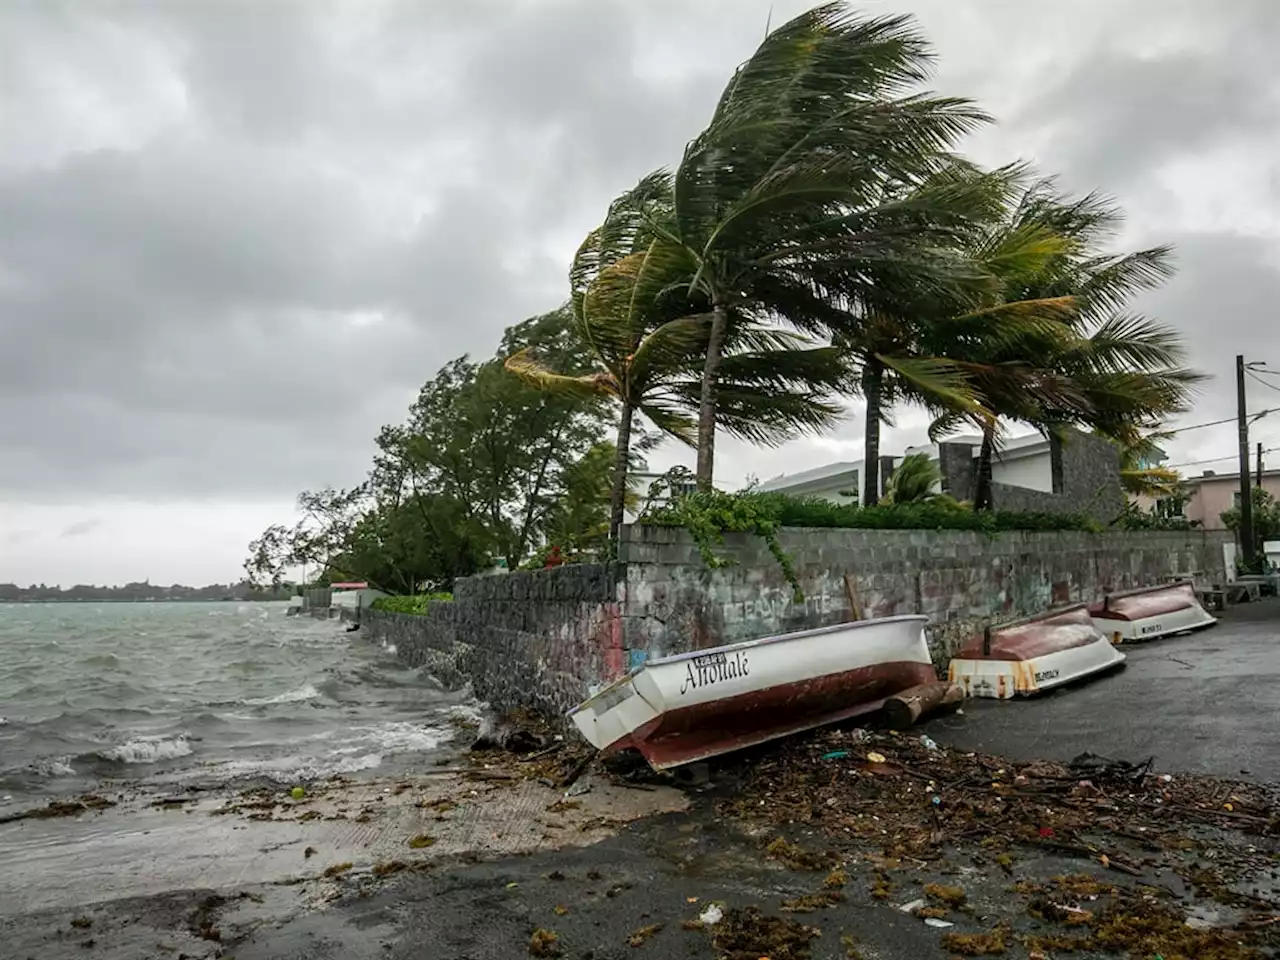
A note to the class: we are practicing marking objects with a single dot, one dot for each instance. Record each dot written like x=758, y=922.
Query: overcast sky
x=235, y=238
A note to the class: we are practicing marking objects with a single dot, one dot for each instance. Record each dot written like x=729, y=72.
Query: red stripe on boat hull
x=1036, y=637
x=719, y=726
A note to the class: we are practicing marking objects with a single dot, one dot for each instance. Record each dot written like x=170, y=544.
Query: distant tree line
x=144, y=591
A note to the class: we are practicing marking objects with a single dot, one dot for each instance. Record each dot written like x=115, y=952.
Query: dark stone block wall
x=546, y=639
x=958, y=579
x=1085, y=471
x=540, y=638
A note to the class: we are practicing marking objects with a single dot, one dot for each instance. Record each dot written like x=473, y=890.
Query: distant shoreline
x=150, y=600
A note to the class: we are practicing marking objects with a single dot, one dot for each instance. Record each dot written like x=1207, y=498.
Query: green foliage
x=1134, y=517
x=941, y=513
x=914, y=481
x=501, y=449
x=1266, y=524
x=416, y=604
x=709, y=514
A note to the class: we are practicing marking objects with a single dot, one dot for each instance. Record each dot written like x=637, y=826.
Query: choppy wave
x=148, y=750
x=52, y=767
x=163, y=692
x=305, y=692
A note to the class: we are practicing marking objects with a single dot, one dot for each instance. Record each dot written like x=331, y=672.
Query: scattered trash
x=935, y=922
x=544, y=943
x=297, y=793
x=912, y=907
x=578, y=789
x=859, y=735
x=936, y=800
x=835, y=755
x=711, y=916
x=929, y=744
x=876, y=757
x=638, y=937
x=512, y=885
x=1046, y=832
x=1166, y=778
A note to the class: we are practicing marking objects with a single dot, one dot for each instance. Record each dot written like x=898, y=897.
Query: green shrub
x=940, y=514
x=416, y=604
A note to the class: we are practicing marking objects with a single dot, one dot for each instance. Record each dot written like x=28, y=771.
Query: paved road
x=1207, y=702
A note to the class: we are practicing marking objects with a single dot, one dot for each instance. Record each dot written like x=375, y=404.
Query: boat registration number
x=1150, y=628
x=1044, y=675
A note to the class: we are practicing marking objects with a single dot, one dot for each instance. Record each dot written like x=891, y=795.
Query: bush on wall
x=417, y=604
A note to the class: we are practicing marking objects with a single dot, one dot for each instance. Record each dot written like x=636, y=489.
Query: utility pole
x=1246, y=495
x=1257, y=473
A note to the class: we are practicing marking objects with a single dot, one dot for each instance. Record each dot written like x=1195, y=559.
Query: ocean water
x=213, y=692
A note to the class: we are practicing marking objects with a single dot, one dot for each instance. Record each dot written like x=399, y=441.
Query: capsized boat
x=1151, y=612
x=1030, y=656
x=691, y=706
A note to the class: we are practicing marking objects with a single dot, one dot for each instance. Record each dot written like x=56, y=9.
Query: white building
x=1021, y=462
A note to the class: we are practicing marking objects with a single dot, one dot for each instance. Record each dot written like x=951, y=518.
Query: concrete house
x=1080, y=475
x=1212, y=494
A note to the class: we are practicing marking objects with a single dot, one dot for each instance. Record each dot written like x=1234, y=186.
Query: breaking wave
x=305, y=692
x=148, y=750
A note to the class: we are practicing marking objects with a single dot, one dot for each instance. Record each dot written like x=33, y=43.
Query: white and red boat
x=1151, y=612
x=1034, y=655
x=688, y=707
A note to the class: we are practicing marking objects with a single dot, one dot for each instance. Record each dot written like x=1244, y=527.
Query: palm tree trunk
x=872, y=388
x=982, y=491
x=707, y=403
x=618, y=498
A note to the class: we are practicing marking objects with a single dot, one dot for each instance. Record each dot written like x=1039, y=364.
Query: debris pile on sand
x=520, y=745
x=901, y=805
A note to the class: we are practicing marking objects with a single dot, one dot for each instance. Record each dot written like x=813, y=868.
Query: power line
x=1196, y=463
x=1266, y=383
x=1214, y=423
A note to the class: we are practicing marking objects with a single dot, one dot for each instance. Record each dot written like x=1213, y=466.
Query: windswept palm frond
x=529, y=369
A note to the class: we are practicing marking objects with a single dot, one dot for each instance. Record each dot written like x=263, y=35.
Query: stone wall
x=958, y=579
x=1086, y=478
x=539, y=638
x=545, y=639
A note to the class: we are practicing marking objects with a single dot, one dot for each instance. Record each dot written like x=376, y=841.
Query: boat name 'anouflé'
x=713, y=668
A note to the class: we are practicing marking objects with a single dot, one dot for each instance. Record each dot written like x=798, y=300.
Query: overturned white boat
x=1151, y=612
x=688, y=707
x=1030, y=656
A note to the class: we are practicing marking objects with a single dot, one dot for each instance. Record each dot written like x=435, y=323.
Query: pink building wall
x=1212, y=496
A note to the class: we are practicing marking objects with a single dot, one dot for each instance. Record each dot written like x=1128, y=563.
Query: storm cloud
x=235, y=238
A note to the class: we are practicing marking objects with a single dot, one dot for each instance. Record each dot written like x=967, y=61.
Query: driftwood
x=904, y=709
x=855, y=601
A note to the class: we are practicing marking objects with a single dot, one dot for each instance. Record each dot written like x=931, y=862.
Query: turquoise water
x=201, y=690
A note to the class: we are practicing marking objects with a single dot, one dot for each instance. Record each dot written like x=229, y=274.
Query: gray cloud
x=227, y=255
x=81, y=527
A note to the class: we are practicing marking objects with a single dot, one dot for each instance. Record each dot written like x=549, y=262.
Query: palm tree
x=791, y=171
x=1138, y=477
x=904, y=330
x=913, y=481
x=1068, y=357
x=646, y=331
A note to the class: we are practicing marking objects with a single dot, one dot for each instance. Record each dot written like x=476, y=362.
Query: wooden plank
x=855, y=602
